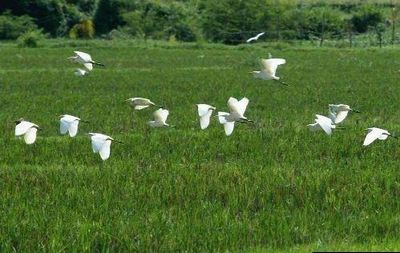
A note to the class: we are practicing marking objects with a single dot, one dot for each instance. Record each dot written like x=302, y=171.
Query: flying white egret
x=27, y=129
x=376, y=133
x=69, y=123
x=255, y=37
x=268, y=69
x=339, y=112
x=322, y=123
x=139, y=103
x=80, y=72
x=101, y=144
x=205, y=112
x=160, y=118
x=85, y=59
x=236, y=113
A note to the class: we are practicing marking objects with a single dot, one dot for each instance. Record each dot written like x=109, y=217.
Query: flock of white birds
x=101, y=143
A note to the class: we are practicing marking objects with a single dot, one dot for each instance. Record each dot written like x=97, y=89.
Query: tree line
x=222, y=21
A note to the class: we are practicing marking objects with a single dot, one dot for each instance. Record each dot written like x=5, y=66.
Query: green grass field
x=270, y=186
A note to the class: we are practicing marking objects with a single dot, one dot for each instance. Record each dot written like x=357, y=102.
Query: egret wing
x=64, y=126
x=203, y=109
x=161, y=115
x=270, y=65
x=105, y=150
x=30, y=135
x=97, y=143
x=228, y=127
x=325, y=126
x=73, y=128
x=140, y=107
x=88, y=66
x=340, y=116
x=238, y=106
x=372, y=135
x=84, y=56
x=205, y=120
x=251, y=39
x=23, y=127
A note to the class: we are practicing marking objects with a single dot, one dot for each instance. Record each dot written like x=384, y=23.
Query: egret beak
x=120, y=142
x=99, y=64
x=356, y=111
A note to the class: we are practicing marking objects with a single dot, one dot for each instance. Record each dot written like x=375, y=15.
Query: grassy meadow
x=271, y=186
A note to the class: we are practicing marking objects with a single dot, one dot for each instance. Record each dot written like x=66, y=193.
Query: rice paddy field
x=270, y=186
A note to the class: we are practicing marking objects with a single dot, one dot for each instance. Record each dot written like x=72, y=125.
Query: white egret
x=236, y=114
x=139, y=103
x=322, y=123
x=101, y=144
x=69, y=123
x=80, y=72
x=268, y=69
x=205, y=112
x=339, y=112
x=27, y=129
x=85, y=59
x=255, y=37
x=160, y=118
x=376, y=133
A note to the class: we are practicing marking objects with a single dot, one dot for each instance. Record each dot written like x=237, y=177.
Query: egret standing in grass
x=69, y=124
x=139, y=103
x=268, y=70
x=101, y=144
x=236, y=114
x=85, y=59
x=255, y=37
x=160, y=118
x=27, y=129
x=376, y=133
x=204, y=111
x=339, y=112
x=322, y=123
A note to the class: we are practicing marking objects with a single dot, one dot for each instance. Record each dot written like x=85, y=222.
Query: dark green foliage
x=11, y=27
x=107, y=16
x=367, y=16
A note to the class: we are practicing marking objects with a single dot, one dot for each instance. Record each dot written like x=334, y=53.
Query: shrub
x=84, y=29
x=30, y=39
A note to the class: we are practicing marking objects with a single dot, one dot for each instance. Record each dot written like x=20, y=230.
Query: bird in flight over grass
x=81, y=72
x=376, y=133
x=322, y=123
x=27, y=129
x=236, y=114
x=160, y=118
x=85, y=59
x=268, y=69
x=339, y=112
x=139, y=103
x=255, y=37
x=204, y=111
x=69, y=123
x=101, y=144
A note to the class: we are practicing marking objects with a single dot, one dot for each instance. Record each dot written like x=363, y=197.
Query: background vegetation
x=225, y=21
